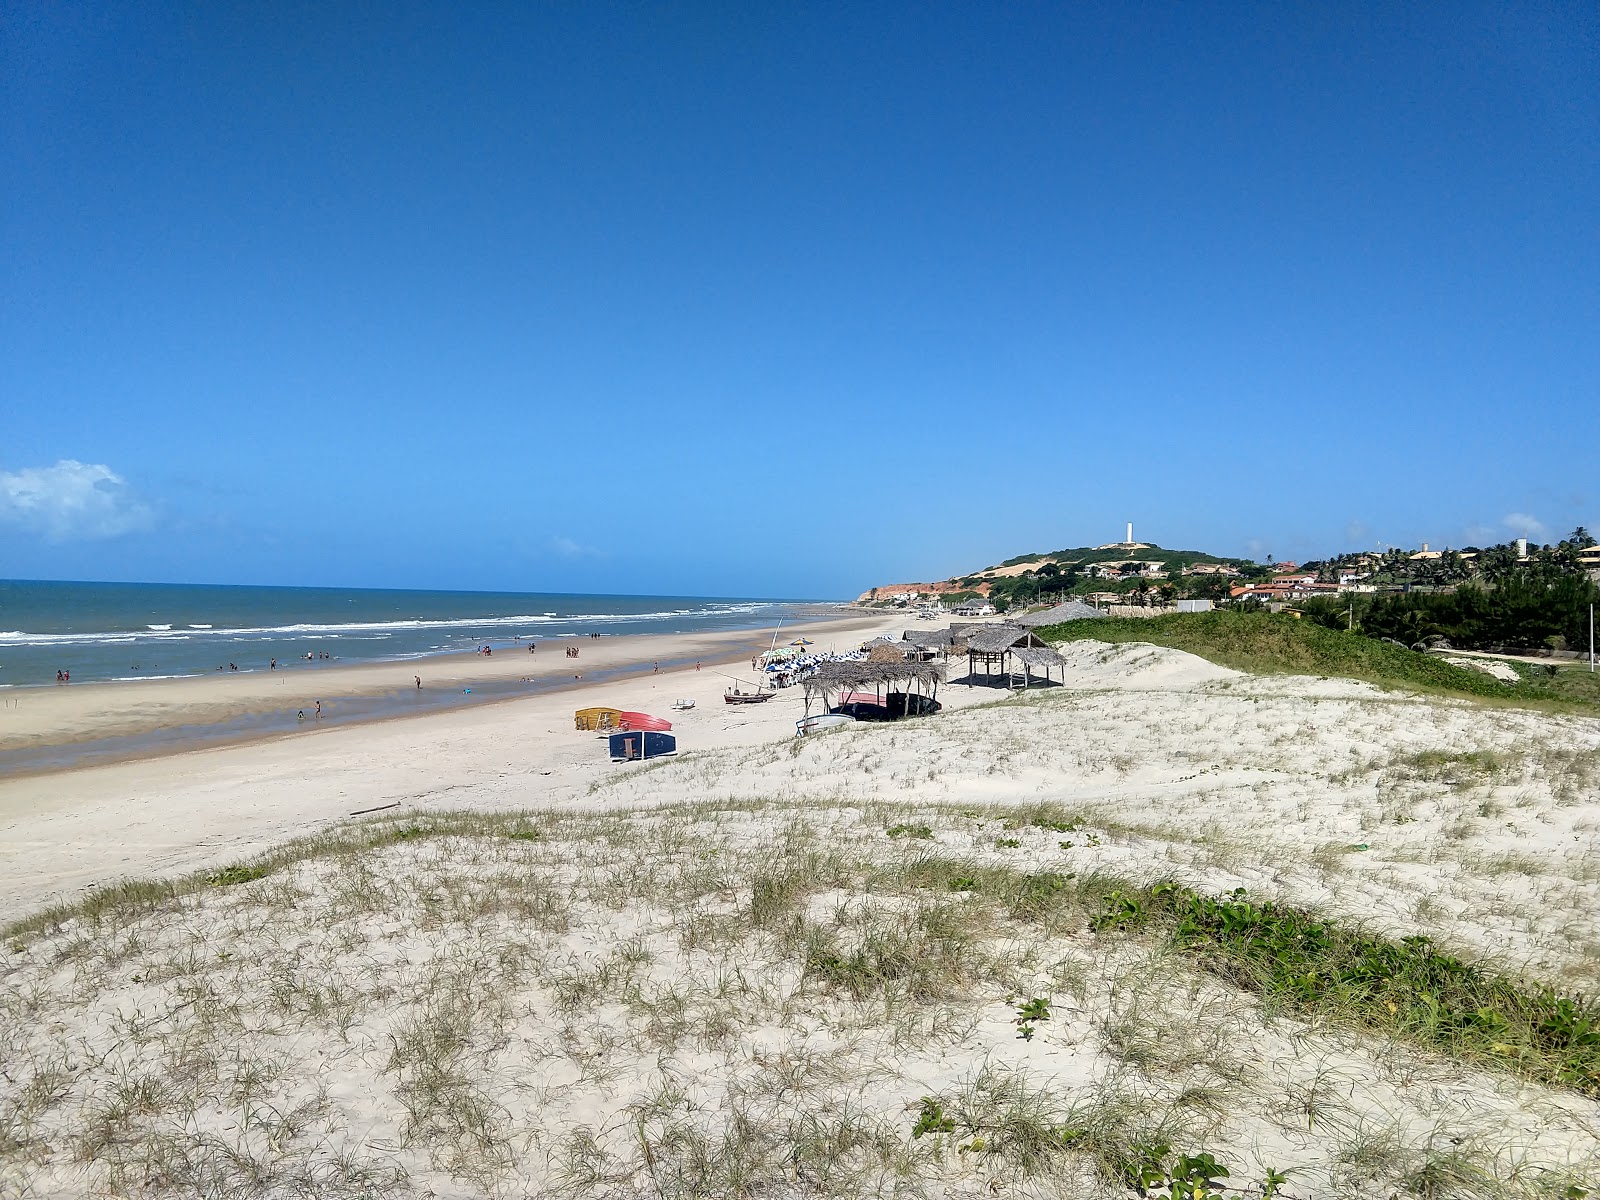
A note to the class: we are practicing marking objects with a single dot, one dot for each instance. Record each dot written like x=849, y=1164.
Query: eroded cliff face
x=884, y=591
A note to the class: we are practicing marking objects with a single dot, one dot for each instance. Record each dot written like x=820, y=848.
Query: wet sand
x=54, y=728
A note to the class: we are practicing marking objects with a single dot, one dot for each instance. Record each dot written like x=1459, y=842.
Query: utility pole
x=1352, y=625
x=1591, y=639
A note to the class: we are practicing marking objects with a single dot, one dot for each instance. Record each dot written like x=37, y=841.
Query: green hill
x=1172, y=560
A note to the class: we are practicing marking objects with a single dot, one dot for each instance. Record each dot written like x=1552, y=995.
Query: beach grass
x=1241, y=937
x=1277, y=643
x=751, y=998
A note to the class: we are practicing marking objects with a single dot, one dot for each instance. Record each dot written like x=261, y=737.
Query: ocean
x=102, y=631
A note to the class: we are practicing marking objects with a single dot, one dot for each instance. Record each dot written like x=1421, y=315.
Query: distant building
x=1144, y=569
x=973, y=608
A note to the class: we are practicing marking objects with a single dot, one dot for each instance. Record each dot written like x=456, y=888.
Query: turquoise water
x=99, y=631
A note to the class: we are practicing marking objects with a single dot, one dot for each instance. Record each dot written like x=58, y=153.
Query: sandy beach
x=174, y=809
x=872, y=961
x=229, y=706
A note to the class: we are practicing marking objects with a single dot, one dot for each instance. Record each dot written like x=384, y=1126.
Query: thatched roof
x=992, y=639
x=1072, y=610
x=931, y=639
x=848, y=676
x=890, y=652
x=1038, y=657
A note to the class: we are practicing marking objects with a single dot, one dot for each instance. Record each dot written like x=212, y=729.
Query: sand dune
x=747, y=970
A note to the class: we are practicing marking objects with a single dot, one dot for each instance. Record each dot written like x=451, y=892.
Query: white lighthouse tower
x=1129, y=544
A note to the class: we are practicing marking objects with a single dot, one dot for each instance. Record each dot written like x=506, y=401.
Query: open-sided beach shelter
x=597, y=718
x=1002, y=645
x=850, y=677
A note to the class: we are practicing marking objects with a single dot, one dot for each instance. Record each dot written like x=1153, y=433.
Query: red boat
x=644, y=721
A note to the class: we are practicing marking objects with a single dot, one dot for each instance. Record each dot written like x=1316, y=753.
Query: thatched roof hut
x=931, y=640
x=1000, y=645
x=1071, y=610
x=830, y=679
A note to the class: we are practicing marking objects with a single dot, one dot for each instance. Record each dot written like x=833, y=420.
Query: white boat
x=820, y=721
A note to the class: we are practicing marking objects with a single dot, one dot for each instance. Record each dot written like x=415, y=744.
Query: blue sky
x=786, y=300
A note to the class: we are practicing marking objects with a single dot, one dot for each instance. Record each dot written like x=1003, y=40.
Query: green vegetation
x=229, y=876
x=1168, y=987
x=1531, y=609
x=1279, y=643
x=1082, y=556
x=1001, y=1118
x=1310, y=965
x=1493, y=564
x=1064, y=573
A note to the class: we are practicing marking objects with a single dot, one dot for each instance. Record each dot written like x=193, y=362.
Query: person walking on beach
x=418, y=678
x=274, y=664
x=60, y=678
x=319, y=710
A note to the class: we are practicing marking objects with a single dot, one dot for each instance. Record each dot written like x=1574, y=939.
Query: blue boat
x=641, y=744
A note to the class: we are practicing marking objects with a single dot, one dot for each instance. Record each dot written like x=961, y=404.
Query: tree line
x=1540, y=603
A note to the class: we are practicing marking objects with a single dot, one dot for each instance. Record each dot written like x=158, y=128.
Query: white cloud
x=1523, y=525
x=567, y=547
x=71, y=500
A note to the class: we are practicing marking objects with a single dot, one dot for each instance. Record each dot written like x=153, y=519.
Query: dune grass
x=827, y=968
x=1276, y=643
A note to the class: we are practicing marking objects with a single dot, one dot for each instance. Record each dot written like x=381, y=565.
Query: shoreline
x=48, y=729
x=64, y=831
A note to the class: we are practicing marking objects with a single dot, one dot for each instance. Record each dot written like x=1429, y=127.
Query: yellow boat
x=597, y=718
